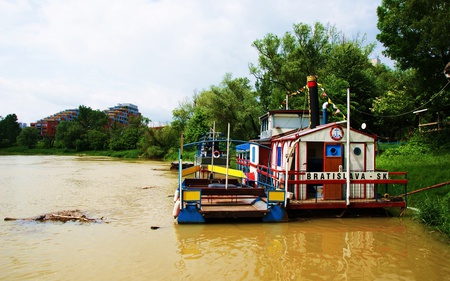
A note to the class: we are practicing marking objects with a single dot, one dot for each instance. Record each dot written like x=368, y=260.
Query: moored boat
x=212, y=190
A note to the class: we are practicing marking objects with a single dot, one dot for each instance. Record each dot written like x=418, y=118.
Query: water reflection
x=336, y=249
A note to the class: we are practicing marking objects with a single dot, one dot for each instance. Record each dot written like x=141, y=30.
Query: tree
x=233, y=102
x=28, y=137
x=339, y=63
x=198, y=125
x=98, y=140
x=127, y=137
x=159, y=142
x=415, y=34
x=9, y=130
x=68, y=135
x=91, y=119
x=183, y=113
x=87, y=131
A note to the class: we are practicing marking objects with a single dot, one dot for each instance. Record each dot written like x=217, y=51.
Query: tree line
x=413, y=32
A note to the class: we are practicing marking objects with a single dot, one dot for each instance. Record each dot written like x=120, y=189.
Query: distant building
x=47, y=125
x=121, y=112
x=375, y=61
x=117, y=114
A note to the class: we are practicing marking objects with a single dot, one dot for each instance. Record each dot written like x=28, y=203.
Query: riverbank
x=133, y=154
x=424, y=170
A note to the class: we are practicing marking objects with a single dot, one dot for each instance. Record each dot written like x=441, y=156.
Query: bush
x=435, y=212
x=423, y=143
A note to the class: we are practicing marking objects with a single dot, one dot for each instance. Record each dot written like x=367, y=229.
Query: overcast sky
x=59, y=54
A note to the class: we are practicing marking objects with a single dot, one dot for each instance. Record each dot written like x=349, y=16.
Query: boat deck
x=235, y=203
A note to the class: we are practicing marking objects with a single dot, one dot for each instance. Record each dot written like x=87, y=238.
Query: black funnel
x=313, y=102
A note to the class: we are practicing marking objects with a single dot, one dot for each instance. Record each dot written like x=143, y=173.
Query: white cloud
x=59, y=54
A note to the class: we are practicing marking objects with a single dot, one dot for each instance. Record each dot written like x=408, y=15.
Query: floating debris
x=62, y=216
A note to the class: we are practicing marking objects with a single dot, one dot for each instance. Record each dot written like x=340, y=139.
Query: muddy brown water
x=133, y=196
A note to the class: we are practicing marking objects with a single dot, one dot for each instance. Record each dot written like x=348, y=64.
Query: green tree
x=284, y=63
x=127, y=137
x=415, y=34
x=68, y=134
x=28, y=137
x=9, y=130
x=389, y=105
x=198, y=125
x=91, y=119
x=88, y=130
x=183, y=113
x=98, y=140
x=233, y=102
x=339, y=63
x=159, y=142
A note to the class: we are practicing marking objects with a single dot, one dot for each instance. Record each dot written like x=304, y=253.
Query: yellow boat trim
x=190, y=170
x=192, y=195
x=223, y=171
x=276, y=196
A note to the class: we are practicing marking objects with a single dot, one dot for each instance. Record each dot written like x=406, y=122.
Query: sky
x=59, y=54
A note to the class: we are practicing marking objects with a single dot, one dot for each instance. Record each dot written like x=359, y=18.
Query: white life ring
x=176, y=209
x=216, y=154
x=176, y=195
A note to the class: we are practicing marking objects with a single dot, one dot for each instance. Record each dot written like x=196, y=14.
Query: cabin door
x=333, y=160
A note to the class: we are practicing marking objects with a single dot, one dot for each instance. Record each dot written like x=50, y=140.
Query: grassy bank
x=424, y=169
x=58, y=151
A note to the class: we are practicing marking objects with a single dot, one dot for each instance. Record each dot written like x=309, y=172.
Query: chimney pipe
x=313, y=102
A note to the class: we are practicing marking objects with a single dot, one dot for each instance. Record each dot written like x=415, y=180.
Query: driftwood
x=62, y=216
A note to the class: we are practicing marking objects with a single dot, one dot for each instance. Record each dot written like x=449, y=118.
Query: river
x=132, y=196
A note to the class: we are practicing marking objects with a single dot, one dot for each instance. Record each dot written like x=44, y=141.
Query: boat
x=323, y=165
x=211, y=190
x=298, y=164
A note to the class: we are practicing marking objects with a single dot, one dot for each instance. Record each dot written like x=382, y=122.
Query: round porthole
x=357, y=151
x=333, y=151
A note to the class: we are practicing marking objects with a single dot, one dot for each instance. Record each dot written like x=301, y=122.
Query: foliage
x=9, y=130
x=427, y=164
x=197, y=125
x=67, y=134
x=159, y=142
x=435, y=212
x=415, y=34
x=339, y=63
x=28, y=137
x=232, y=102
x=420, y=143
x=183, y=113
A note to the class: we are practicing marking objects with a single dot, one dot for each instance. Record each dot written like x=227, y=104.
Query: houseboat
x=320, y=165
x=299, y=163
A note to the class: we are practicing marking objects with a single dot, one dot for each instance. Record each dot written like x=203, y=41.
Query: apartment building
x=116, y=114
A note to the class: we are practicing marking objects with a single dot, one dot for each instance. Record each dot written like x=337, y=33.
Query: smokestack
x=313, y=102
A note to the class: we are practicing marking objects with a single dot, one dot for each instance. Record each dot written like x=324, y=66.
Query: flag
x=324, y=95
x=337, y=111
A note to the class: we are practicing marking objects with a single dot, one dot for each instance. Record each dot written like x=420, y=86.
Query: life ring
x=176, y=195
x=176, y=209
x=216, y=154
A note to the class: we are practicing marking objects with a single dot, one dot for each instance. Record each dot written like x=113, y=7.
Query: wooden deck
x=232, y=206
